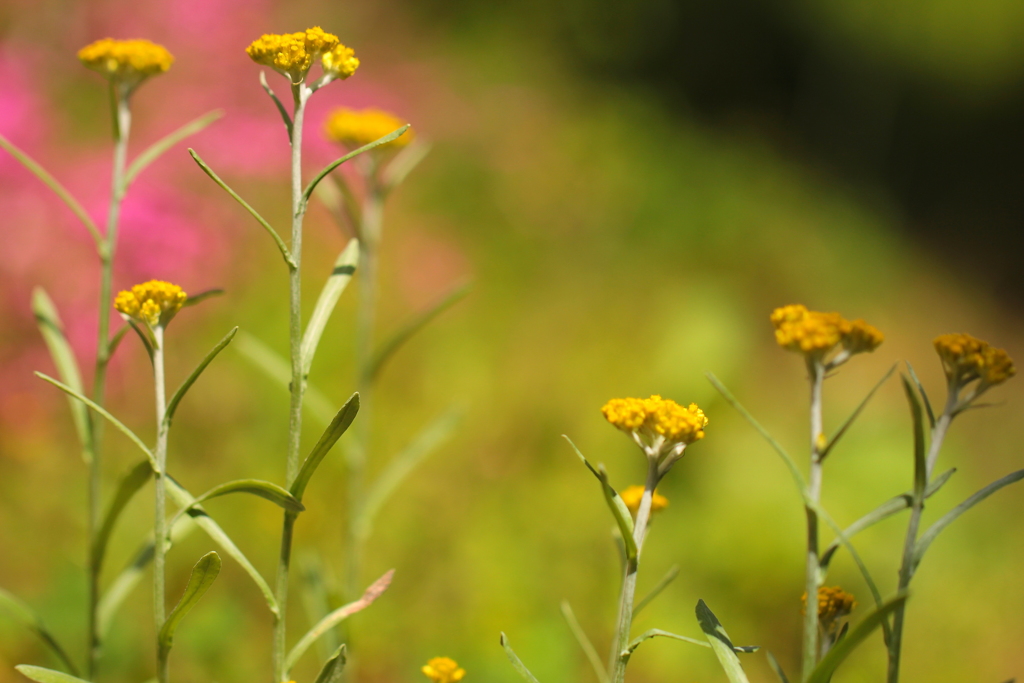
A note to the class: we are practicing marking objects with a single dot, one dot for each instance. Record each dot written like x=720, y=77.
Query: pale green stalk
x=810, y=640
x=160, y=515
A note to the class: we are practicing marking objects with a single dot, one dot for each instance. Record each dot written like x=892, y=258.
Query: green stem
x=160, y=515
x=624, y=623
x=810, y=640
x=300, y=94
x=107, y=248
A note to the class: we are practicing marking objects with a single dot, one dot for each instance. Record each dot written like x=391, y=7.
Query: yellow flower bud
x=816, y=334
x=293, y=54
x=152, y=303
x=443, y=670
x=966, y=358
x=126, y=61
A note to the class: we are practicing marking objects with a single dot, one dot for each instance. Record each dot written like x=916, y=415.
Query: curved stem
x=160, y=516
x=810, y=639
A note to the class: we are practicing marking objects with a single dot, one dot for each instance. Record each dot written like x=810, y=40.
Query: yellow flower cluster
x=833, y=604
x=966, y=358
x=126, y=60
x=631, y=496
x=153, y=303
x=355, y=128
x=659, y=416
x=294, y=53
x=816, y=333
x=443, y=670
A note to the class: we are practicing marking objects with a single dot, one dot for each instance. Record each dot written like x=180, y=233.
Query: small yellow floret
x=153, y=303
x=833, y=604
x=341, y=62
x=657, y=415
x=966, y=358
x=126, y=60
x=443, y=670
x=816, y=333
x=355, y=128
x=631, y=496
x=292, y=53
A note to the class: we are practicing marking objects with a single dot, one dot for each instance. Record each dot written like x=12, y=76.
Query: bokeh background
x=631, y=187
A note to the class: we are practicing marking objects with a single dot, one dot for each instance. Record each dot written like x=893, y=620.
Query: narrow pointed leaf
x=341, y=275
x=115, y=341
x=920, y=468
x=333, y=666
x=58, y=189
x=278, y=369
x=619, y=510
x=855, y=414
x=277, y=103
x=407, y=331
x=158, y=148
x=774, y=664
x=658, y=633
x=52, y=329
x=585, y=644
x=924, y=394
x=308, y=192
x=841, y=650
x=202, y=296
x=129, y=485
x=204, y=573
x=935, y=529
x=339, y=425
x=113, y=420
x=517, y=663
x=256, y=487
x=720, y=644
x=30, y=619
x=403, y=164
x=402, y=465
x=41, y=675
x=172, y=405
x=143, y=335
x=285, y=253
x=669, y=577
x=339, y=615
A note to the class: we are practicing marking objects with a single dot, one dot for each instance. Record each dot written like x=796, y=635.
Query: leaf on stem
x=333, y=666
x=308, y=192
x=341, y=203
x=720, y=644
x=277, y=368
x=669, y=577
x=842, y=649
x=585, y=644
x=341, y=275
x=619, y=510
x=920, y=466
x=774, y=664
x=115, y=341
x=277, y=103
x=42, y=675
x=339, y=615
x=148, y=342
x=129, y=485
x=924, y=394
x=204, y=573
x=285, y=253
x=855, y=414
x=256, y=487
x=27, y=617
x=58, y=189
x=657, y=632
x=406, y=332
x=517, y=663
x=339, y=425
x=52, y=329
x=935, y=529
x=172, y=405
x=158, y=148
x=194, y=299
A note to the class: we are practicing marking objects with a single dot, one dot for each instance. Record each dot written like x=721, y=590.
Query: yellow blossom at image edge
x=965, y=357
x=443, y=670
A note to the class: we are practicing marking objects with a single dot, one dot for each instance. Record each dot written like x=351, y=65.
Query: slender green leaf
x=517, y=663
x=853, y=416
x=935, y=529
x=41, y=675
x=339, y=615
x=920, y=468
x=619, y=510
x=58, y=189
x=256, y=487
x=406, y=332
x=97, y=408
x=186, y=500
x=774, y=664
x=333, y=667
x=669, y=577
x=339, y=425
x=403, y=464
x=841, y=650
x=308, y=192
x=172, y=405
x=341, y=275
x=585, y=644
x=129, y=485
x=720, y=644
x=158, y=148
x=202, y=296
x=277, y=103
x=403, y=164
x=204, y=573
x=27, y=617
x=657, y=632
x=285, y=253
x=148, y=342
x=277, y=368
x=63, y=356
x=938, y=482
x=924, y=394
x=115, y=341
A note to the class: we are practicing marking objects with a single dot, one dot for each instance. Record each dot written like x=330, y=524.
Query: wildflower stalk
x=810, y=641
x=160, y=515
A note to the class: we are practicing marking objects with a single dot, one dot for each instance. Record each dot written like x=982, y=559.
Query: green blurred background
x=631, y=189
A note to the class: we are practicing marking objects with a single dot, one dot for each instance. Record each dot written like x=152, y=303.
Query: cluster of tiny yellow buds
x=293, y=53
x=632, y=495
x=659, y=416
x=443, y=670
x=340, y=62
x=966, y=358
x=355, y=128
x=126, y=60
x=153, y=303
x=833, y=604
x=816, y=333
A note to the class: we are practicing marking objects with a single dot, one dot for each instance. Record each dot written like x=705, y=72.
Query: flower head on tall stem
x=443, y=670
x=152, y=303
x=661, y=427
x=828, y=339
x=968, y=360
x=126, y=62
x=355, y=128
x=294, y=54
